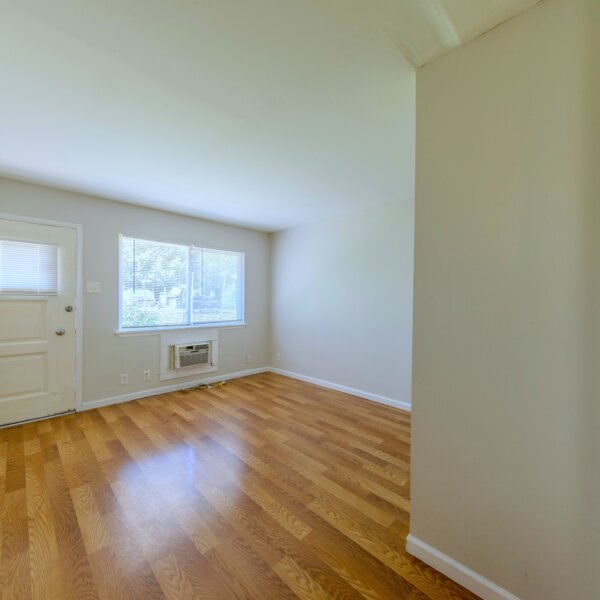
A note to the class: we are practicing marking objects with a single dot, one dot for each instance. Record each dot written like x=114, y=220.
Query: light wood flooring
x=266, y=489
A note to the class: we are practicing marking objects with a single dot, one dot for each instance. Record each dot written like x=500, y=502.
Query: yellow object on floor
x=209, y=386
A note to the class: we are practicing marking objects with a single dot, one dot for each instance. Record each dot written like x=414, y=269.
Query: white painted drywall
x=341, y=300
x=505, y=417
x=267, y=114
x=106, y=356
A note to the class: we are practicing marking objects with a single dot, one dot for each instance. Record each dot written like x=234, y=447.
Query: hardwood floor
x=266, y=489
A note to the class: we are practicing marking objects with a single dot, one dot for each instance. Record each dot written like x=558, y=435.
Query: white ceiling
x=426, y=29
x=265, y=113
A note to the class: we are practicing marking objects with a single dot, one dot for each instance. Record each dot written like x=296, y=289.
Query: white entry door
x=38, y=284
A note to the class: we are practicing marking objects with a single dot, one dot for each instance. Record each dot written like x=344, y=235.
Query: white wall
x=341, y=289
x=589, y=418
x=342, y=300
x=105, y=355
x=505, y=417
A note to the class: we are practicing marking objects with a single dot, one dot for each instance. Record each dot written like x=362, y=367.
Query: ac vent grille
x=191, y=355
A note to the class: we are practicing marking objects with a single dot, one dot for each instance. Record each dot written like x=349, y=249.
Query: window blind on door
x=28, y=268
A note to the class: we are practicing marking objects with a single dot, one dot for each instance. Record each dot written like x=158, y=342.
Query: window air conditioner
x=191, y=355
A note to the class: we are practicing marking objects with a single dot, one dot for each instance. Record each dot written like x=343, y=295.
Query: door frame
x=78, y=227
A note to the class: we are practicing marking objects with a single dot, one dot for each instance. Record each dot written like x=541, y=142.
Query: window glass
x=28, y=268
x=172, y=284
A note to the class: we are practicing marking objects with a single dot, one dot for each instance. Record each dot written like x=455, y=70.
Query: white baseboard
x=343, y=388
x=456, y=571
x=189, y=384
x=169, y=388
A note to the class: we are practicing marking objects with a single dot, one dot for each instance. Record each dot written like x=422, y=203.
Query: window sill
x=158, y=330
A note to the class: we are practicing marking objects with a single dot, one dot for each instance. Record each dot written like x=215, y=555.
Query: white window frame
x=132, y=331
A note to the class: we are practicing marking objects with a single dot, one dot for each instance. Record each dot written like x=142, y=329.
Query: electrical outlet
x=247, y=359
x=277, y=356
x=93, y=287
x=147, y=375
x=124, y=378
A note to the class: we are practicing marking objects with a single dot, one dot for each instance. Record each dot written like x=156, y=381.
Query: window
x=171, y=285
x=28, y=268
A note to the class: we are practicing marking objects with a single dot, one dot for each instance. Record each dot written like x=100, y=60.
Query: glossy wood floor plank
x=264, y=489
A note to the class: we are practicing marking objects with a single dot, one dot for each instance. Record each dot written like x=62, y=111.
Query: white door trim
x=78, y=383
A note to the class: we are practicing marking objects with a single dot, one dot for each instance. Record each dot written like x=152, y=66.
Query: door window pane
x=28, y=268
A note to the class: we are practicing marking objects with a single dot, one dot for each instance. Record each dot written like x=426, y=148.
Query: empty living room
x=299, y=299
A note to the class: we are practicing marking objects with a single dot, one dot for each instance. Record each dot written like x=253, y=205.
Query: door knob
x=60, y=332
x=68, y=308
